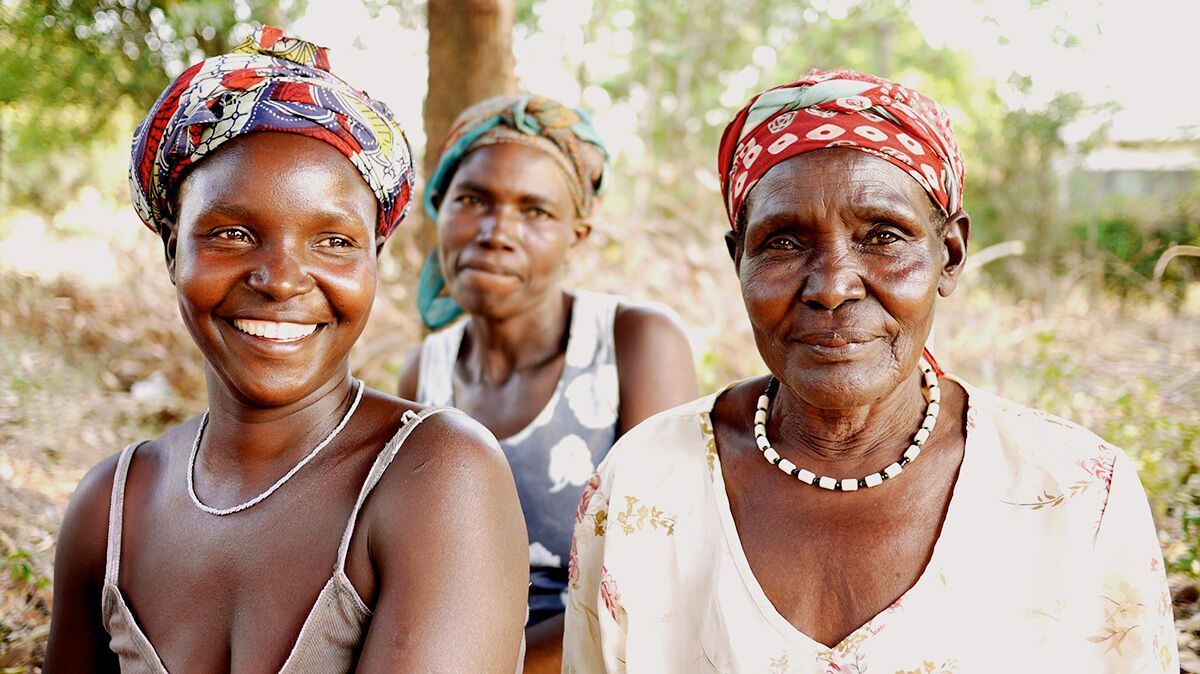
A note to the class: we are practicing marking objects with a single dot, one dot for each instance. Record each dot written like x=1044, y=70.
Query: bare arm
x=409, y=374
x=448, y=541
x=654, y=364
x=78, y=640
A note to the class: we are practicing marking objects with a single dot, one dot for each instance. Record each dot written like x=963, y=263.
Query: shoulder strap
x=435, y=373
x=116, y=509
x=411, y=421
x=592, y=318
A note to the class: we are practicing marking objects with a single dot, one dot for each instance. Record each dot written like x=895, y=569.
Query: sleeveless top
x=555, y=455
x=332, y=633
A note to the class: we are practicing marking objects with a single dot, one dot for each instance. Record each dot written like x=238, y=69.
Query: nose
x=498, y=229
x=280, y=273
x=833, y=278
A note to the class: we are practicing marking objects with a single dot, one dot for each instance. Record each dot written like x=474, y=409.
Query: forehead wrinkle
x=870, y=183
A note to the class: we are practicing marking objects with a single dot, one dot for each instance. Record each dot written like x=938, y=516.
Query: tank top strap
x=593, y=316
x=410, y=421
x=116, y=511
x=435, y=372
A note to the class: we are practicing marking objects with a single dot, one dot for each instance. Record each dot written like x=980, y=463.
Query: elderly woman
x=303, y=523
x=856, y=510
x=557, y=374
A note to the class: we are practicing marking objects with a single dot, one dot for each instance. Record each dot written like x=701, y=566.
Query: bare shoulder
x=446, y=458
x=655, y=369
x=84, y=533
x=410, y=374
x=639, y=320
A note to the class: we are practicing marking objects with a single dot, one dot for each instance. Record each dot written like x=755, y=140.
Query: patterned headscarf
x=270, y=82
x=565, y=134
x=841, y=108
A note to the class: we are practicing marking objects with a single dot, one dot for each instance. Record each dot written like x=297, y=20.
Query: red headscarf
x=841, y=108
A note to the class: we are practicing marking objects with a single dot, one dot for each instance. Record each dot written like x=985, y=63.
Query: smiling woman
x=262, y=535
x=857, y=509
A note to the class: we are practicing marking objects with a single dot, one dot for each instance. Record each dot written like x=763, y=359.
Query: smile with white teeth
x=278, y=332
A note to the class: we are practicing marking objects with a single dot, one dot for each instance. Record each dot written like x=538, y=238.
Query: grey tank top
x=332, y=634
x=556, y=454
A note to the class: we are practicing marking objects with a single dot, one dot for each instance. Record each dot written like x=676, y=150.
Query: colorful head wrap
x=565, y=134
x=270, y=82
x=841, y=108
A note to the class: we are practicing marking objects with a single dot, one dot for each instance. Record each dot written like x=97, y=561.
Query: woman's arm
x=654, y=363
x=78, y=640
x=409, y=375
x=448, y=541
x=1136, y=632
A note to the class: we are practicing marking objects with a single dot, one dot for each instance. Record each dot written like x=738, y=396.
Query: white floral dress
x=1047, y=562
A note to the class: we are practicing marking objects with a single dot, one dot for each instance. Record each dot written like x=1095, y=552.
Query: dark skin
x=842, y=258
x=507, y=227
x=280, y=228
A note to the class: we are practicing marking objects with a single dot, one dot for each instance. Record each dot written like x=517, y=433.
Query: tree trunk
x=470, y=59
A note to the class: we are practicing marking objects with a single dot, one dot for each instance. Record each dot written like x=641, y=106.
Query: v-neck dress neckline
x=961, y=491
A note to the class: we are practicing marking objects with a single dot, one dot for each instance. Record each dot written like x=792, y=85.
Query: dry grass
x=72, y=351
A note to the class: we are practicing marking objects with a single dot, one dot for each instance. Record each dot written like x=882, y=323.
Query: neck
x=498, y=347
x=848, y=439
x=245, y=438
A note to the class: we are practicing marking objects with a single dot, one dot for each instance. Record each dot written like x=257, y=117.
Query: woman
x=856, y=510
x=557, y=374
x=270, y=533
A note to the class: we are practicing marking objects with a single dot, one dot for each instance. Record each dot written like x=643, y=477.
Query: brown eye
x=339, y=242
x=881, y=237
x=781, y=243
x=234, y=234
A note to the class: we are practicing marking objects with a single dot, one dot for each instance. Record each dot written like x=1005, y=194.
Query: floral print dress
x=1047, y=562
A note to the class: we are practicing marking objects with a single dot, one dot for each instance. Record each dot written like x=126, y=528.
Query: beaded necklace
x=191, y=478
x=763, y=412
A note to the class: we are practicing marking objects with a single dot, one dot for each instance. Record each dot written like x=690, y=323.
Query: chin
x=840, y=385
x=270, y=390
x=485, y=305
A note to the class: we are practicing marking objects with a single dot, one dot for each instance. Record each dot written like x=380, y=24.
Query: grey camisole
x=556, y=454
x=332, y=633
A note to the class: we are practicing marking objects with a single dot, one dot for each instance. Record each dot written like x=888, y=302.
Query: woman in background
x=557, y=374
x=303, y=523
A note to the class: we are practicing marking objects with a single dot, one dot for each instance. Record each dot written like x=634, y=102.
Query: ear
x=582, y=229
x=735, y=251
x=169, y=232
x=955, y=235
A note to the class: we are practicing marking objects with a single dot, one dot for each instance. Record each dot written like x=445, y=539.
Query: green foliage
x=21, y=569
x=72, y=70
x=1130, y=235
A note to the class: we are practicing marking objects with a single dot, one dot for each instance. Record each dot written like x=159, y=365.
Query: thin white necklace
x=763, y=412
x=191, y=469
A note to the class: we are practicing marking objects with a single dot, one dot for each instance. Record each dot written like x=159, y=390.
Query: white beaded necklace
x=191, y=480
x=763, y=412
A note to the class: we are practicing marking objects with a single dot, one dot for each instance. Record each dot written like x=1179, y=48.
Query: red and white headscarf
x=841, y=108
